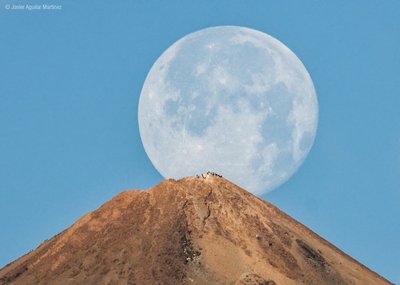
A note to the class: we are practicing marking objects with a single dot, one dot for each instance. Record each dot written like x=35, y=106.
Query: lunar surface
x=230, y=100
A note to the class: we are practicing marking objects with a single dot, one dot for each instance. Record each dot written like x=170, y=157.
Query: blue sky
x=70, y=82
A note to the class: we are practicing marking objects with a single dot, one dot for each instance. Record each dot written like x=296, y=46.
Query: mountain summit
x=202, y=230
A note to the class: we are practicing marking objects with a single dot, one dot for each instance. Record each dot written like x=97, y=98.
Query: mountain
x=202, y=230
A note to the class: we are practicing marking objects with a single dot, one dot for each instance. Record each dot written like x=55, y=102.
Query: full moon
x=230, y=100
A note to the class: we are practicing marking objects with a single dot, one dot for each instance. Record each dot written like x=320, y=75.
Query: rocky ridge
x=197, y=230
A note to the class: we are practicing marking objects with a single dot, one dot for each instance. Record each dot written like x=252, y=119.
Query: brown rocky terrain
x=191, y=231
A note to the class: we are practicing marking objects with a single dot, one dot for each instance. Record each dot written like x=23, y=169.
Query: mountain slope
x=192, y=231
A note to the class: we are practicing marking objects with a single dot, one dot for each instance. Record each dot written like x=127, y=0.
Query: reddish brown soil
x=191, y=231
